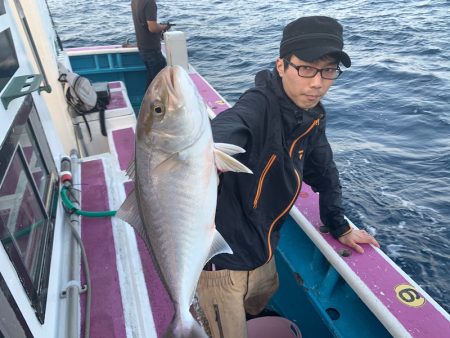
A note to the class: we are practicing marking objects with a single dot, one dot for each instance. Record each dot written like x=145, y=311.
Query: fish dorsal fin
x=131, y=170
x=229, y=149
x=129, y=212
x=218, y=246
x=225, y=162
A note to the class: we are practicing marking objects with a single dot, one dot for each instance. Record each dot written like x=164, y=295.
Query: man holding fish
x=223, y=235
x=281, y=125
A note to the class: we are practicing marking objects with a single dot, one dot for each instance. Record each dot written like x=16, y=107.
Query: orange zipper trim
x=281, y=215
x=272, y=225
x=261, y=180
x=315, y=123
x=300, y=154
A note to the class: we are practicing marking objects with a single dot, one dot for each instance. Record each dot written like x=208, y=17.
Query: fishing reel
x=169, y=26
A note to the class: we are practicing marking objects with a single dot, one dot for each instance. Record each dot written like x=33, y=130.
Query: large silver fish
x=174, y=201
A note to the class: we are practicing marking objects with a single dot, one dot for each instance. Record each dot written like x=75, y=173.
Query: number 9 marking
x=408, y=295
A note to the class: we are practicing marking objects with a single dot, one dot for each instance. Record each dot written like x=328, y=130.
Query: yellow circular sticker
x=408, y=295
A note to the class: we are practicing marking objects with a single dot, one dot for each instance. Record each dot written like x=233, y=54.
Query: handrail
x=27, y=30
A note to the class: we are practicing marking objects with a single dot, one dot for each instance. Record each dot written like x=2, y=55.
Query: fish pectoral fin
x=131, y=170
x=168, y=165
x=225, y=162
x=229, y=149
x=218, y=246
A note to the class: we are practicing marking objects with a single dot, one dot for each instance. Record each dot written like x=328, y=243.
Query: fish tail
x=187, y=328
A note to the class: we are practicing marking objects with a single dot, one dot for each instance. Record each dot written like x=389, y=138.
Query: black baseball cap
x=312, y=37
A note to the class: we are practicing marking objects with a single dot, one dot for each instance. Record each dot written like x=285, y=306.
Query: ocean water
x=389, y=114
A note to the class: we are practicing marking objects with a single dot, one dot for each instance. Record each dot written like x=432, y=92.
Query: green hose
x=80, y=212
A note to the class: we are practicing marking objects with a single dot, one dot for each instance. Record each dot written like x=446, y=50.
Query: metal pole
x=74, y=288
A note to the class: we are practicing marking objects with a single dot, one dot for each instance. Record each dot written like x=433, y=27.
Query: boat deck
x=130, y=300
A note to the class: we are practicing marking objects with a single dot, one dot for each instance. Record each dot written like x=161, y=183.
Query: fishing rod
x=168, y=24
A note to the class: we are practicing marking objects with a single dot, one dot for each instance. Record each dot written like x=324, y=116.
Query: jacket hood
x=272, y=81
x=292, y=115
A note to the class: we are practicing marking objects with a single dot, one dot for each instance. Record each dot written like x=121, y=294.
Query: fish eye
x=158, y=110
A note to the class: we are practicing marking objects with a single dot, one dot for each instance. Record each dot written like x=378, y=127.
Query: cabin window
x=8, y=58
x=28, y=195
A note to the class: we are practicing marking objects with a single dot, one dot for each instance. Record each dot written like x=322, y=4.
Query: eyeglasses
x=329, y=73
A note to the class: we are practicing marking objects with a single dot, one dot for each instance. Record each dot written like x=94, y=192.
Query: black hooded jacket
x=285, y=145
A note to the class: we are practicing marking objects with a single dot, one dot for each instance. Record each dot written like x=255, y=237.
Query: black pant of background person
x=154, y=61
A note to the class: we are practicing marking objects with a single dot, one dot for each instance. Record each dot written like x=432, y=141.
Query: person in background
x=148, y=35
x=280, y=123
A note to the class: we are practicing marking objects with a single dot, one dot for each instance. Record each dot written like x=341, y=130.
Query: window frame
x=15, y=316
x=27, y=119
